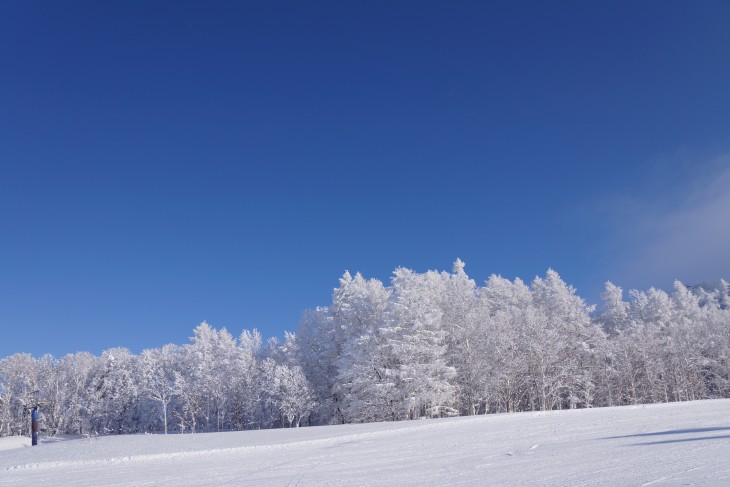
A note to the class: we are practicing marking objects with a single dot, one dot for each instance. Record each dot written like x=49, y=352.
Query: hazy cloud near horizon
x=685, y=237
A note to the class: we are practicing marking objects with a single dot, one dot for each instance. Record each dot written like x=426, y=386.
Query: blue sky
x=167, y=163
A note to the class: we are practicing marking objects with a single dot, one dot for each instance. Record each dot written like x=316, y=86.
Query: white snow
x=13, y=442
x=667, y=444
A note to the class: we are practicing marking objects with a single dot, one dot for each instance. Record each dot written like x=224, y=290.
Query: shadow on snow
x=682, y=440
x=671, y=432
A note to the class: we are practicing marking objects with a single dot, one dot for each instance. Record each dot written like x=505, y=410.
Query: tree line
x=430, y=344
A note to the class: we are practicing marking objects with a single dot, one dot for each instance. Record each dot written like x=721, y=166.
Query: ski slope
x=668, y=444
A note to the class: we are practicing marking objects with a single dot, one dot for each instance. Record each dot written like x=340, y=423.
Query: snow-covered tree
x=464, y=337
x=567, y=327
x=158, y=376
x=358, y=310
x=615, y=312
x=244, y=381
x=428, y=344
x=416, y=343
x=319, y=348
x=291, y=394
x=115, y=405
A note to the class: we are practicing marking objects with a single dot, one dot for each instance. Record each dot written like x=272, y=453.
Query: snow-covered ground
x=14, y=442
x=667, y=444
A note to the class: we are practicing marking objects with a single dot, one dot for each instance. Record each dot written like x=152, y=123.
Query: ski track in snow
x=657, y=445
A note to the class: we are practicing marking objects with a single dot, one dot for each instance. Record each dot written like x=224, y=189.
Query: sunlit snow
x=667, y=444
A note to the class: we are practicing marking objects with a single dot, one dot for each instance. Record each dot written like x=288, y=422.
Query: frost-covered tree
x=615, y=312
x=359, y=308
x=18, y=391
x=291, y=394
x=319, y=348
x=246, y=395
x=501, y=309
x=428, y=344
x=76, y=375
x=158, y=377
x=115, y=405
x=211, y=354
x=464, y=337
x=569, y=330
x=416, y=344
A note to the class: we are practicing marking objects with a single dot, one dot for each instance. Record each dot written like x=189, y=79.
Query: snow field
x=668, y=444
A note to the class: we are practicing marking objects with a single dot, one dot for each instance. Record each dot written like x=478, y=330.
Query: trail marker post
x=34, y=426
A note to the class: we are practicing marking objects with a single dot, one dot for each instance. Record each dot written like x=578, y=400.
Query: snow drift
x=666, y=444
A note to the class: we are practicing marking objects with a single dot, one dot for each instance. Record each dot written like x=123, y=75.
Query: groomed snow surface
x=668, y=444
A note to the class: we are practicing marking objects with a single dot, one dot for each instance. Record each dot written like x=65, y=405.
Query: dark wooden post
x=34, y=426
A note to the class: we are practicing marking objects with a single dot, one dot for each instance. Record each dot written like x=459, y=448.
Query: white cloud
x=685, y=237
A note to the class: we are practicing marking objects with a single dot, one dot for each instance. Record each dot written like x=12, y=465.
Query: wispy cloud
x=682, y=233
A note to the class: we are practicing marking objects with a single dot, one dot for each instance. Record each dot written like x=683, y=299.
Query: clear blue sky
x=164, y=163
